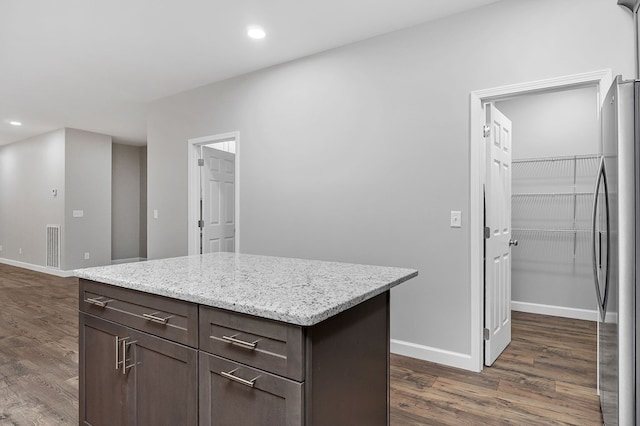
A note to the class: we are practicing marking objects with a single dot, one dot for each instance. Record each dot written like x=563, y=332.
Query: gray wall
x=561, y=123
x=544, y=270
x=127, y=201
x=358, y=154
x=29, y=170
x=78, y=165
x=88, y=188
x=143, y=202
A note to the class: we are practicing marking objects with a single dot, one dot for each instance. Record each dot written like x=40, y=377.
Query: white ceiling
x=94, y=65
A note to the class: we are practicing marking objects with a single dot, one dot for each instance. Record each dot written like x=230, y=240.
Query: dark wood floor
x=546, y=376
x=38, y=348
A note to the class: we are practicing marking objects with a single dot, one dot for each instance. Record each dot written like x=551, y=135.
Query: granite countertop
x=296, y=291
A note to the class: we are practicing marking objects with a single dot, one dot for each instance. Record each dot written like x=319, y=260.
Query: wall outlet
x=78, y=213
x=456, y=219
x=86, y=256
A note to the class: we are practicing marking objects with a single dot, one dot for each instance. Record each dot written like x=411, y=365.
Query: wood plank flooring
x=547, y=376
x=38, y=348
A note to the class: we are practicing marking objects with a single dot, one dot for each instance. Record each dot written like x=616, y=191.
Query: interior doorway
x=213, y=195
x=479, y=170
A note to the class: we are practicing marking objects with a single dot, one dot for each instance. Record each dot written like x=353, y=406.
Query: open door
x=218, y=201
x=497, y=309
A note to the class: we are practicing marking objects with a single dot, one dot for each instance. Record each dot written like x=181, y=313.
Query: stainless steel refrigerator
x=615, y=258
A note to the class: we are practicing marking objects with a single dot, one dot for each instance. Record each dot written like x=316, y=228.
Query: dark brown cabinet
x=99, y=355
x=135, y=367
x=150, y=360
x=130, y=377
x=233, y=394
x=166, y=383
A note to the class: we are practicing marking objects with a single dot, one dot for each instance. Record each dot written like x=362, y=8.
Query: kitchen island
x=233, y=339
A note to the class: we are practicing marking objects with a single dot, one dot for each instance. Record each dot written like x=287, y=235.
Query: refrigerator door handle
x=597, y=252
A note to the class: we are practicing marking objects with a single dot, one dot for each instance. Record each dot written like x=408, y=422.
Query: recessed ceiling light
x=255, y=32
x=15, y=123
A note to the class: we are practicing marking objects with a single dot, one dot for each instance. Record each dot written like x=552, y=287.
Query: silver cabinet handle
x=241, y=343
x=513, y=243
x=153, y=318
x=97, y=302
x=230, y=376
x=122, y=343
x=124, y=364
x=117, y=345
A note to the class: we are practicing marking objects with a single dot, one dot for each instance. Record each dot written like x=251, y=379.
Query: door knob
x=513, y=243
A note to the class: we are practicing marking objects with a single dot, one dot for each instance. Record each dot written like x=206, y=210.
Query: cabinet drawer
x=171, y=319
x=234, y=394
x=269, y=345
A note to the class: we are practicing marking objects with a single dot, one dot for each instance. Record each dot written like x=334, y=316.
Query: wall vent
x=53, y=246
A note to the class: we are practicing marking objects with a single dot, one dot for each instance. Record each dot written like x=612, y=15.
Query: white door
x=218, y=200
x=497, y=310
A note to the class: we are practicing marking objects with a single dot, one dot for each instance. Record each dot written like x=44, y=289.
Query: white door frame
x=601, y=79
x=193, y=191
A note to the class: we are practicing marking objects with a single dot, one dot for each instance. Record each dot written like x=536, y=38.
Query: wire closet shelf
x=551, y=204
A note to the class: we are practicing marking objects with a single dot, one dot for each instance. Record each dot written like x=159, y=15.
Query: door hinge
x=486, y=131
x=487, y=232
x=201, y=224
x=200, y=162
x=485, y=334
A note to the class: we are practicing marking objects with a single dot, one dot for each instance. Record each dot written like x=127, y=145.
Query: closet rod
x=550, y=194
x=549, y=230
x=569, y=158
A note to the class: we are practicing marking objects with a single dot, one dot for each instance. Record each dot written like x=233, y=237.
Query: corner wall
x=29, y=171
x=88, y=188
x=359, y=154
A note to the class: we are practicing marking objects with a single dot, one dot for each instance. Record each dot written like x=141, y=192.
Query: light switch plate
x=155, y=213
x=78, y=213
x=456, y=219
x=86, y=256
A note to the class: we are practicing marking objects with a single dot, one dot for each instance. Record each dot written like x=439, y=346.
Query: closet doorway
x=554, y=192
x=213, y=196
x=556, y=153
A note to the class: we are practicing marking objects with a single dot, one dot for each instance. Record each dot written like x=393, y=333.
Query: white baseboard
x=427, y=353
x=556, y=311
x=37, y=268
x=130, y=260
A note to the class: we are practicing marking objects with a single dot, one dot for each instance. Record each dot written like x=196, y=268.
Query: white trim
x=193, y=186
x=129, y=260
x=37, y=268
x=427, y=353
x=556, y=311
x=601, y=79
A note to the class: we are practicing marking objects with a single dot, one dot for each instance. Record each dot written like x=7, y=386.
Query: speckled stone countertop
x=296, y=291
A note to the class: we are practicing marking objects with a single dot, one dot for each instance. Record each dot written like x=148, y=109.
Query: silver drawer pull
x=153, y=318
x=230, y=376
x=242, y=343
x=97, y=302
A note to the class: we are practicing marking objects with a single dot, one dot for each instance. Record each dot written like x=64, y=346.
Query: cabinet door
x=103, y=386
x=166, y=383
x=233, y=394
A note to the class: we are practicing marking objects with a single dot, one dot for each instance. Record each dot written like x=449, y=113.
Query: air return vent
x=53, y=246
